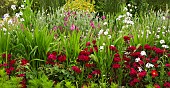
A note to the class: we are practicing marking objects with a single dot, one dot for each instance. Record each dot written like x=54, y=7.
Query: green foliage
x=80, y=5
x=6, y=82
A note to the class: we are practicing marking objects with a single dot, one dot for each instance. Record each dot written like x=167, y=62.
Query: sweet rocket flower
x=92, y=24
x=73, y=27
x=61, y=58
x=24, y=61
x=103, y=17
x=154, y=73
x=76, y=69
x=116, y=66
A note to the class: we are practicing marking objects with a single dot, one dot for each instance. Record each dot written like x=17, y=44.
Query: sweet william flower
x=157, y=86
x=62, y=58
x=166, y=84
x=126, y=38
x=76, y=69
x=24, y=61
x=133, y=72
x=116, y=66
x=167, y=65
x=96, y=72
x=147, y=47
x=154, y=73
x=90, y=76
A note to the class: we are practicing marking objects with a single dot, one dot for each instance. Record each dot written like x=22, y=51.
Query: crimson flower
x=133, y=72
x=24, y=62
x=90, y=76
x=76, y=69
x=168, y=73
x=167, y=65
x=157, y=86
x=116, y=59
x=52, y=57
x=147, y=47
x=154, y=73
x=88, y=44
x=142, y=74
x=62, y=58
x=94, y=42
x=96, y=72
x=167, y=84
x=126, y=38
x=116, y=66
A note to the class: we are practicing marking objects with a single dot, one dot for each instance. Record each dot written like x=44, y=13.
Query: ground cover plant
x=81, y=49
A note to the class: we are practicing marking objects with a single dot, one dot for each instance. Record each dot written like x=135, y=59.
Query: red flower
x=135, y=54
x=133, y=72
x=8, y=71
x=168, y=73
x=142, y=74
x=154, y=73
x=131, y=48
x=24, y=62
x=167, y=65
x=62, y=58
x=83, y=58
x=157, y=86
x=90, y=76
x=116, y=55
x=126, y=59
x=52, y=57
x=147, y=47
x=89, y=65
x=116, y=59
x=23, y=83
x=126, y=38
x=94, y=42
x=113, y=48
x=8, y=56
x=12, y=62
x=167, y=84
x=76, y=69
x=88, y=44
x=96, y=72
x=21, y=75
x=116, y=66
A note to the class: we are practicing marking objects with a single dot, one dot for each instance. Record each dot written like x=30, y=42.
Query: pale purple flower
x=72, y=27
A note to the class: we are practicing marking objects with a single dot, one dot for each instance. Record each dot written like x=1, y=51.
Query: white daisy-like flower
x=137, y=59
x=162, y=41
x=13, y=7
x=149, y=65
x=165, y=46
x=130, y=10
x=101, y=47
x=143, y=53
x=106, y=32
x=128, y=14
x=140, y=69
x=105, y=23
x=22, y=6
x=109, y=36
x=129, y=5
x=100, y=32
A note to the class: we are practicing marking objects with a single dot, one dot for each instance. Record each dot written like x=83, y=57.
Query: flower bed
x=79, y=49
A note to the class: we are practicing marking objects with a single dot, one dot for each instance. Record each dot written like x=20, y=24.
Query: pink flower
x=90, y=76
x=167, y=65
x=88, y=44
x=167, y=84
x=168, y=73
x=96, y=72
x=73, y=27
x=52, y=57
x=92, y=24
x=103, y=17
x=157, y=86
x=76, y=69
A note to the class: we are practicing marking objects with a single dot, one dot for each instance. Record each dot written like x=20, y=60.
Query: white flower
x=158, y=36
x=4, y=29
x=22, y=19
x=129, y=5
x=143, y=53
x=163, y=18
x=100, y=32
x=137, y=59
x=165, y=46
x=164, y=27
x=128, y=14
x=10, y=21
x=104, y=44
x=109, y=36
x=105, y=23
x=162, y=41
x=149, y=65
x=127, y=53
x=135, y=7
x=13, y=7
x=101, y=47
x=20, y=13
x=17, y=15
x=22, y=6
x=163, y=33
x=140, y=69
x=5, y=16
x=106, y=32
x=125, y=9
x=130, y=10
x=158, y=28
